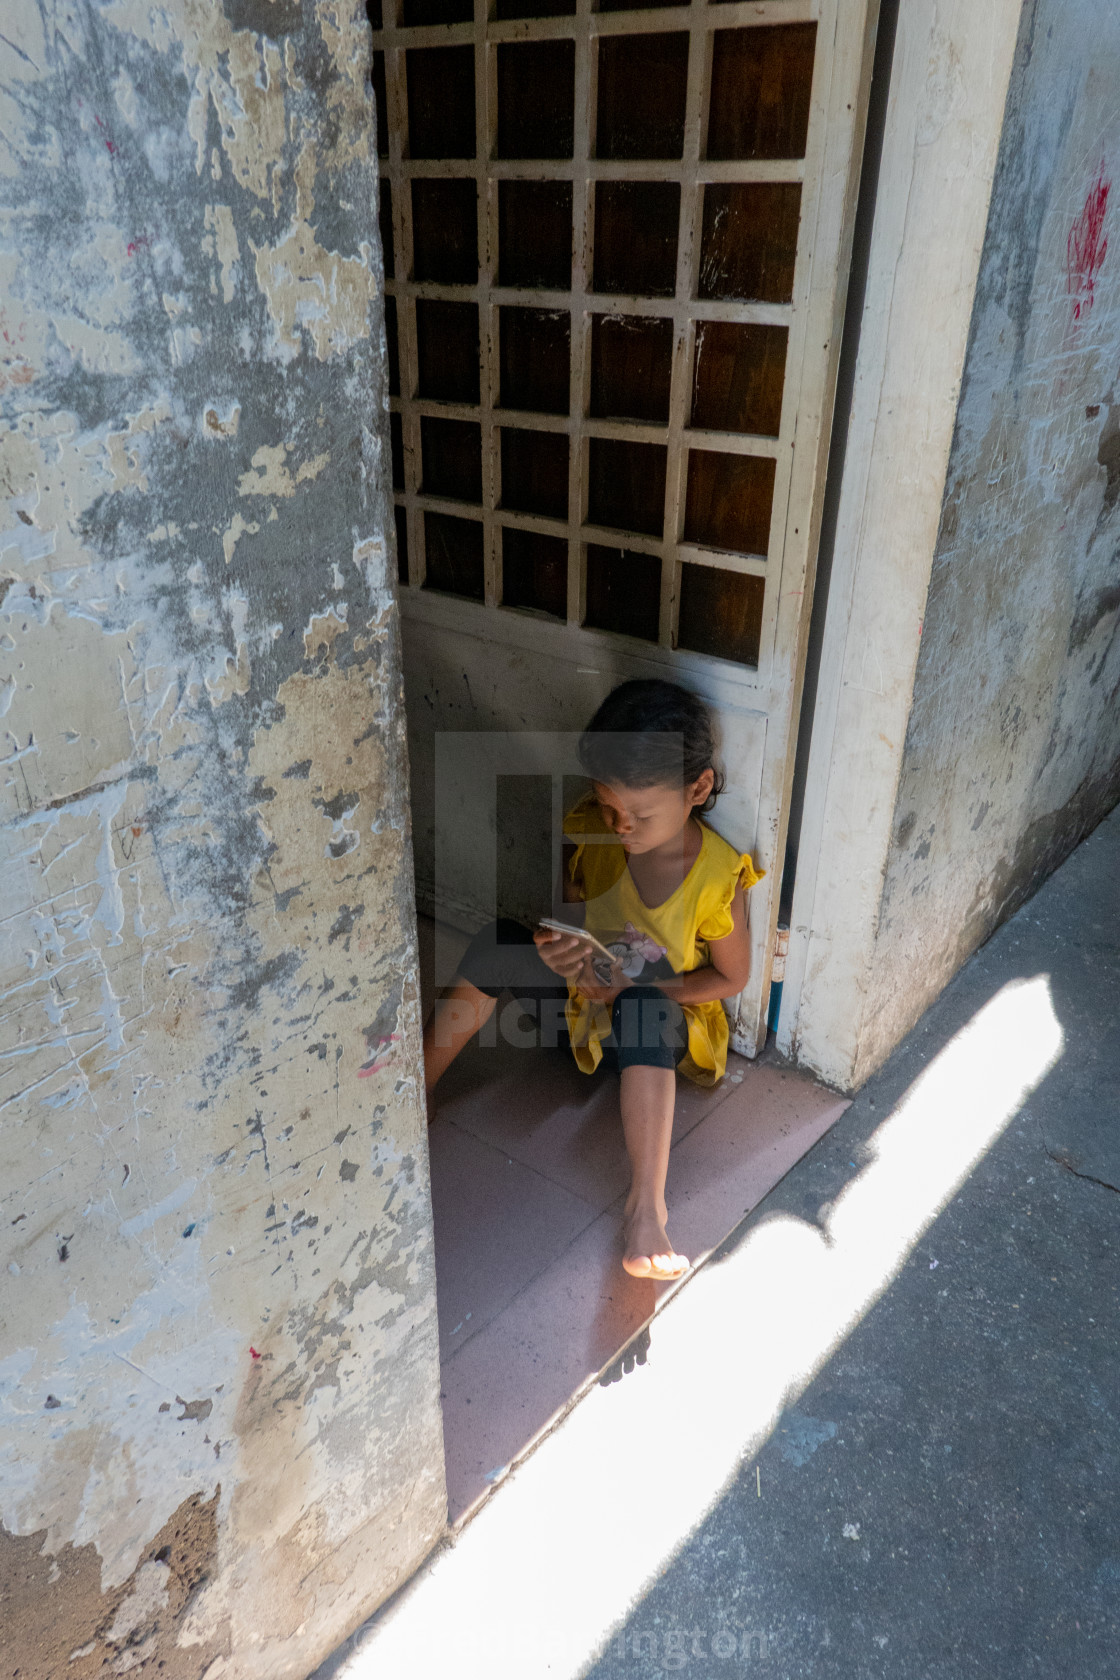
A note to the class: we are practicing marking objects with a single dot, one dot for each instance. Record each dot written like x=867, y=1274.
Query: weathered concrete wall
x=1013, y=745
x=219, y=1426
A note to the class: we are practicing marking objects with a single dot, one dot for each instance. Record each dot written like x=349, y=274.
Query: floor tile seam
x=732, y=1088
x=726, y=1097
x=536, y=1171
x=721, y=1097
x=724, y=1090
x=556, y=1183
x=555, y=1260
x=528, y=1284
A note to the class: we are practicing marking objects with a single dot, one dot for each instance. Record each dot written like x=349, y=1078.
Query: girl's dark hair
x=649, y=733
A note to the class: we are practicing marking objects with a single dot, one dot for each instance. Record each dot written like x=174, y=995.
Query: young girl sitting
x=666, y=896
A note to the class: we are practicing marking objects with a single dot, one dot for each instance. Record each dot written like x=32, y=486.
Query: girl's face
x=645, y=818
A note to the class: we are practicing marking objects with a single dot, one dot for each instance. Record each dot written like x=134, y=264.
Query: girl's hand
x=563, y=953
x=591, y=988
x=594, y=988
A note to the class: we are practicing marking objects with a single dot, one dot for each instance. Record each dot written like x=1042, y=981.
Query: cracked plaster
x=198, y=665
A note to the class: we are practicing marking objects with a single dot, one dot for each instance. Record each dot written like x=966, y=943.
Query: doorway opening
x=615, y=243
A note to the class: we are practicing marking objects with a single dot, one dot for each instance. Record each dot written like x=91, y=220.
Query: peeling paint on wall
x=131, y=1626
x=1013, y=747
x=219, y=1427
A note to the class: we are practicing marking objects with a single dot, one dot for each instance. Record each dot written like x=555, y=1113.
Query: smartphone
x=578, y=933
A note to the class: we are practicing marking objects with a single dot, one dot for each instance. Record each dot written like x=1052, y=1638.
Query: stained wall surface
x=219, y=1422
x=1012, y=750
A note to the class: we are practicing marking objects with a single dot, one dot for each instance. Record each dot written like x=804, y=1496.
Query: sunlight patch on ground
x=539, y=1581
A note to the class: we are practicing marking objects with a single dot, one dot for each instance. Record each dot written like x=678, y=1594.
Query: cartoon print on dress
x=632, y=950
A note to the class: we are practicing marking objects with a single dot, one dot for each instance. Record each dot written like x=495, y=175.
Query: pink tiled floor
x=528, y=1176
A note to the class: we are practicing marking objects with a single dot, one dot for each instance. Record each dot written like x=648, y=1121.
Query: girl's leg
x=647, y=1096
x=502, y=957
x=461, y=1012
x=649, y=1035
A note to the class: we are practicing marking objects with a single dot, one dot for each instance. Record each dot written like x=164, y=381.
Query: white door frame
x=758, y=708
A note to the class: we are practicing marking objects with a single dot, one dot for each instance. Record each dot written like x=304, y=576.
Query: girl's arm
x=569, y=890
x=728, y=968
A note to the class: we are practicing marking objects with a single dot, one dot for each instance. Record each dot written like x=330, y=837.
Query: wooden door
x=616, y=251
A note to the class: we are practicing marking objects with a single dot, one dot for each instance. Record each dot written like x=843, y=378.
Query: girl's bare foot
x=648, y=1253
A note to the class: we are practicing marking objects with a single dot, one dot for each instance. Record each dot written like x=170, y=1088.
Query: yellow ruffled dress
x=673, y=935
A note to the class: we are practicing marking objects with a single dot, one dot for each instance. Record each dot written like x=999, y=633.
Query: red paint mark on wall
x=377, y=1061
x=109, y=146
x=1086, y=246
